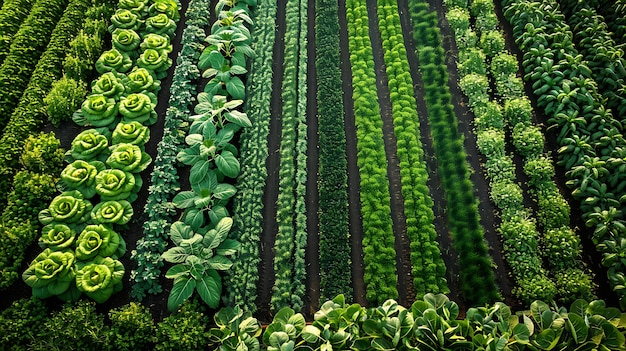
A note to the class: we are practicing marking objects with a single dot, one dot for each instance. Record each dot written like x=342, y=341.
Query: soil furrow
x=403, y=254
x=444, y=237
x=481, y=187
x=312, y=195
x=354, y=208
x=270, y=195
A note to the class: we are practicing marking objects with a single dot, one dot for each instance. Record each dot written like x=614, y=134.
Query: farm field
x=402, y=174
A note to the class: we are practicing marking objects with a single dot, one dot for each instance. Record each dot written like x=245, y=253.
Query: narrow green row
x=12, y=15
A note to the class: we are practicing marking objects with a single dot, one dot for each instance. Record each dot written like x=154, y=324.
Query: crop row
x=27, y=46
x=80, y=236
x=333, y=189
x=476, y=273
x=158, y=209
x=427, y=265
x=604, y=57
x=523, y=243
x=201, y=244
x=378, y=240
x=21, y=225
x=591, y=146
x=289, y=265
x=242, y=279
x=614, y=13
x=12, y=15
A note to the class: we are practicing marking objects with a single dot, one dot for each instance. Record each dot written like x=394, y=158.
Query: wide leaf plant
x=125, y=19
x=99, y=240
x=115, y=184
x=81, y=175
x=198, y=257
x=109, y=84
x=57, y=237
x=91, y=144
x=99, y=278
x=113, y=60
x=98, y=110
x=223, y=75
x=69, y=208
x=128, y=157
x=141, y=80
x=51, y=273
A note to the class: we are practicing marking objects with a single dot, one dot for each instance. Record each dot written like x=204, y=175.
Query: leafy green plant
x=198, y=257
x=284, y=333
x=115, y=184
x=113, y=60
x=139, y=107
x=81, y=175
x=133, y=133
x=223, y=76
x=125, y=19
x=99, y=278
x=113, y=211
x=156, y=61
x=132, y=328
x=51, y=274
x=57, y=237
x=99, y=240
x=109, y=84
x=235, y=330
x=42, y=154
x=22, y=323
x=70, y=207
x=128, y=157
x=140, y=80
x=97, y=111
x=126, y=40
x=64, y=99
x=184, y=330
x=160, y=24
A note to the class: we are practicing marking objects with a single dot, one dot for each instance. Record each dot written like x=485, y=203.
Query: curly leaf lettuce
x=118, y=212
x=141, y=80
x=115, y=184
x=69, y=208
x=109, y=84
x=140, y=7
x=99, y=240
x=139, y=107
x=113, y=60
x=169, y=8
x=131, y=133
x=88, y=145
x=97, y=110
x=51, y=273
x=156, y=61
x=128, y=157
x=57, y=237
x=160, y=24
x=100, y=278
x=126, y=41
x=81, y=175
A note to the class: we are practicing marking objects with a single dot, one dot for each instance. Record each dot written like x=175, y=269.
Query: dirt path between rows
x=311, y=300
x=406, y=291
x=270, y=194
x=354, y=179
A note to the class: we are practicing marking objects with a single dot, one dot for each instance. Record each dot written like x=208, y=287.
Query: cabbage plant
x=126, y=40
x=128, y=157
x=125, y=19
x=89, y=145
x=99, y=240
x=115, y=184
x=99, y=278
x=157, y=42
x=198, y=256
x=98, y=111
x=69, y=208
x=109, y=84
x=156, y=61
x=113, y=60
x=57, y=237
x=139, y=7
x=139, y=107
x=169, y=8
x=113, y=212
x=51, y=273
x=160, y=24
x=81, y=175
x=141, y=80
x=131, y=133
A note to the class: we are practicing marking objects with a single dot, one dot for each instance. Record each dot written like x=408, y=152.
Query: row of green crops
x=591, y=146
x=201, y=247
x=604, y=57
x=32, y=191
x=476, y=272
x=378, y=240
x=334, y=239
x=158, y=209
x=248, y=202
x=614, y=13
x=80, y=236
x=524, y=245
x=428, y=268
x=12, y=14
x=289, y=248
x=431, y=323
x=27, y=46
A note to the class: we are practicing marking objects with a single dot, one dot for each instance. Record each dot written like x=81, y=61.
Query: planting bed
x=274, y=154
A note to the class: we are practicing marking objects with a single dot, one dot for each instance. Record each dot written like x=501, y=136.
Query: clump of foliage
x=132, y=328
x=64, y=99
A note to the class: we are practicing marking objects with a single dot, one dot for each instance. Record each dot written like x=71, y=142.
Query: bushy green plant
x=504, y=64
x=459, y=20
x=517, y=111
x=491, y=143
x=132, y=328
x=492, y=42
x=562, y=247
x=489, y=116
x=184, y=330
x=42, y=154
x=22, y=323
x=82, y=329
x=528, y=140
x=554, y=211
x=64, y=99
x=573, y=284
x=540, y=171
x=538, y=287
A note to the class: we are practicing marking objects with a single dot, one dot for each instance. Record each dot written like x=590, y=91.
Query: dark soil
x=354, y=179
x=312, y=194
x=270, y=195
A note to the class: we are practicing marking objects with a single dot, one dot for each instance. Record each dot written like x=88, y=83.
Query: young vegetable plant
x=199, y=255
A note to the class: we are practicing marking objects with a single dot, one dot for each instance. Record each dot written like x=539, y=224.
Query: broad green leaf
x=227, y=164
x=181, y=291
x=177, y=271
x=223, y=227
x=176, y=254
x=236, y=69
x=238, y=118
x=210, y=288
x=199, y=171
x=310, y=334
x=216, y=59
x=193, y=139
x=184, y=199
x=577, y=327
x=217, y=213
x=219, y=263
x=194, y=218
x=236, y=88
x=613, y=338
x=521, y=334
x=189, y=156
x=547, y=339
x=228, y=247
x=224, y=136
x=180, y=231
x=224, y=191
